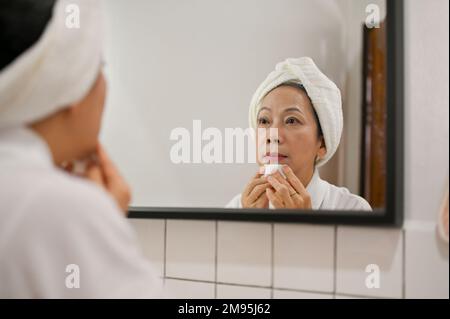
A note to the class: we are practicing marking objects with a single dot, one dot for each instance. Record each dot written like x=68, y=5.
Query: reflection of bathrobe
x=50, y=219
x=323, y=196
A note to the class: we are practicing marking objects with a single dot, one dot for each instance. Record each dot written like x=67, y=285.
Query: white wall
x=207, y=259
x=170, y=62
x=427, y=111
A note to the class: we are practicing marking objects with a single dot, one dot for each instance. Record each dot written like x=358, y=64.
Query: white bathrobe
x=50, y=219
x=323, y=196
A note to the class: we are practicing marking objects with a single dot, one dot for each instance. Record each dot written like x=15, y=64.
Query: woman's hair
x=22, y=22
x=300, y=87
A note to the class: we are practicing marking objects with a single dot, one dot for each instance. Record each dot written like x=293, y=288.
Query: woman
x=60, y=231
x=297, y=112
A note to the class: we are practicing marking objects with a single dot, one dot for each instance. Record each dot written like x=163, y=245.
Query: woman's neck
x=305, y=176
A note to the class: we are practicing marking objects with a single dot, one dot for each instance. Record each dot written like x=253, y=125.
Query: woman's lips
x=274, y=158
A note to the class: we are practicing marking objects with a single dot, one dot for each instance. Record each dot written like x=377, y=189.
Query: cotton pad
x=272, y=168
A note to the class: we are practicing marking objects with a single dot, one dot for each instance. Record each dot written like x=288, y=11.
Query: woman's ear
x=323, y=149
x=70, y=111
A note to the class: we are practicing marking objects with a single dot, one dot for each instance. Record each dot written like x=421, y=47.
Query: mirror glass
x=183, y=83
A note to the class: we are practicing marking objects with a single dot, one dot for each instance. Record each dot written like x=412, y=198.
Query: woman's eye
x=292, y=120
x=262, y=121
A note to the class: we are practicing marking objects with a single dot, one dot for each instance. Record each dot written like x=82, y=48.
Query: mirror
x=181, y=79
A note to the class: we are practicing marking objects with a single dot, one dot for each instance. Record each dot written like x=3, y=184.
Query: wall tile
x=289, y=294
x=304, y=257
x=358, y=247
x=150, y=233
x=190, y=251
x=186, y=289
x=426, y=267
x=244, y=253
x=350, y=297
x=241, y=292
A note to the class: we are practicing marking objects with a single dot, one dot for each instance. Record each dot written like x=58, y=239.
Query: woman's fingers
x=110, y=172
x=251, y=195
x=109, y=169
x=114, y=182
x=256, y=180
x=94, y=173
x=262, y=201
x=294, y=181
x=297, y=185
x=67, y=166
x=282, y=190
x=276, y=201
x=257, y=191
x=289, y=203
x=298, y=201
x=283, y=181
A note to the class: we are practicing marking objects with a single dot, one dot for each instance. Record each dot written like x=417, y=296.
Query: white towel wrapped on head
x=56, y=71
x=323, y=93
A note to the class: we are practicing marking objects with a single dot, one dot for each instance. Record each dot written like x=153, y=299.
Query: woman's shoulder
x=341, y=198
x=235, y=202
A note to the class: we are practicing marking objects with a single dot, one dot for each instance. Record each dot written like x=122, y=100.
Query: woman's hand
x=102, y=171
x=289, y=192
x=254, y=194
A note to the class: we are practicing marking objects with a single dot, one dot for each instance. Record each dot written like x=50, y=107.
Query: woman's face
x=288, y=110
x=88, y=115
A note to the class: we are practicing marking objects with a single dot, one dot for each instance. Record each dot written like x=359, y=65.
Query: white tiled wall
x=244, y=253
x=357, y=249
x=290, y=294
x=190, y=249
x=151, y=233
x=186, y=289
x=242, y=292
x=209, y=259
x=426, y=263
x=304, y=257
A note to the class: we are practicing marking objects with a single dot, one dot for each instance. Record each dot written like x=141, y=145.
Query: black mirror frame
x=392, y=214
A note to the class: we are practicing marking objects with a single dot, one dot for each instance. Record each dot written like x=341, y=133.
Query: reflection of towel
x=324, y=94
x=56, y=71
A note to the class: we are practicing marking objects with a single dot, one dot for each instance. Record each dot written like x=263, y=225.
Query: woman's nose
x=273, y=140
x=274, y=136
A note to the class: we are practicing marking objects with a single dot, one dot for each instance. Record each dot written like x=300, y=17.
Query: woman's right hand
x=103, y=172
x=254, y=194
x=100, y=169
